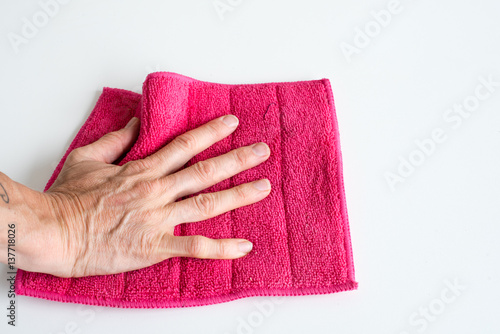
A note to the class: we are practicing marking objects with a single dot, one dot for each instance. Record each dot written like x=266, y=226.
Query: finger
x=175, y=154
x=206, y=173
x=205, y=248
x=113, y=144
x=207, y=205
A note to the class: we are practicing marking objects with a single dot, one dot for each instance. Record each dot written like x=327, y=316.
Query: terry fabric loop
x=300, y=232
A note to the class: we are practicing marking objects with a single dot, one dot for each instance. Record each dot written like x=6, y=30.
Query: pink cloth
x=300, y=231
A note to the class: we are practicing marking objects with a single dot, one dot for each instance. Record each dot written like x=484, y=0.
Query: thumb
x=113, y=144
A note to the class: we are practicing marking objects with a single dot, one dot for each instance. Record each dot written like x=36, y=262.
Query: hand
x=112, y=219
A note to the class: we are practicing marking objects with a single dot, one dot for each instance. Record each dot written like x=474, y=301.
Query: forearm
x=23, y=212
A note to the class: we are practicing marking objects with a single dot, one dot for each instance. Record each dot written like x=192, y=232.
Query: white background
x=440, y=225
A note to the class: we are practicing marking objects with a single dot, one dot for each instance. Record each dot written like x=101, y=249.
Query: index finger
x=179, y=151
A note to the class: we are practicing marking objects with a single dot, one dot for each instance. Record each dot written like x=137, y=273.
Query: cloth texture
x=300, y=231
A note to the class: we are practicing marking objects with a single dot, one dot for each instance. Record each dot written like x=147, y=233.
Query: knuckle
x=149, y=187
x=195, y=247
x=205, y=204
x=213, y=130
x=113, y=138
x=223, y=250
x=187, y=141
x=168, y=187
x=167, y=214
x=166, y=245
x=131, y=166
x=240, y=193
x=74, y=156
x=136, y=166
x=154, y=187
x=160, y=186
x=240, y=157
x=204, y=170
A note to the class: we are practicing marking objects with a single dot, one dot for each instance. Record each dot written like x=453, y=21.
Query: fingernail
x=230, y=120
x=260, y=149
x=262, y=185
x=245, y=246
x=131, y=122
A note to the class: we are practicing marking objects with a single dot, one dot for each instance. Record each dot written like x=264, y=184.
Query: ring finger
x=207, y=205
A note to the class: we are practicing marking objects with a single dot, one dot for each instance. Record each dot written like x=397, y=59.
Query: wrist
x=24, y=215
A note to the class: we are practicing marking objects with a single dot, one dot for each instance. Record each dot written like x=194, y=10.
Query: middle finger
x=206, y=173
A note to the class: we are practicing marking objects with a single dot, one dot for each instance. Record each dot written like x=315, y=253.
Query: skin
x=99, y=218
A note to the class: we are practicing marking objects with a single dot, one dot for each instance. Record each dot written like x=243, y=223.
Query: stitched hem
x=186, y=78
x=112, y=302
x=340, y=169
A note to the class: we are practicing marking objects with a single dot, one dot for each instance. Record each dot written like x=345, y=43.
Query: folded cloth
x=300, y=231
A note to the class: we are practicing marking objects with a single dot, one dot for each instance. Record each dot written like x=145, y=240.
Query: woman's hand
x=111, y=219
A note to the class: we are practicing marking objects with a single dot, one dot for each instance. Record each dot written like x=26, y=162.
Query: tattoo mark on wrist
x=4, y=196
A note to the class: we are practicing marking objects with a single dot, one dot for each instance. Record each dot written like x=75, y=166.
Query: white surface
x=441, y=224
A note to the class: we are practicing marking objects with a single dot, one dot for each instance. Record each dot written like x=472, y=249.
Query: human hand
x=112, y=219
